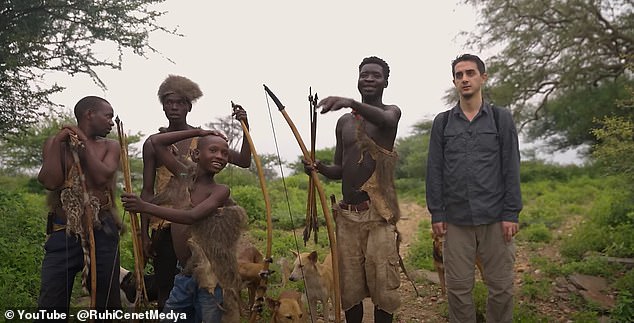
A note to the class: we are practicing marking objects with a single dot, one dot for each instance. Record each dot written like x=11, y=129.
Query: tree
x=552, y=50
x=55, y=35
x=412, y=152
x=614, y=150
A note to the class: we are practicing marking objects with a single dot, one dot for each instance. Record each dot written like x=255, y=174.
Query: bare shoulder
x=111, y=144
x=345, y=119
x=393, y=108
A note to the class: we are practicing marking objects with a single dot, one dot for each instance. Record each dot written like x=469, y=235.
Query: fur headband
x=180, y=85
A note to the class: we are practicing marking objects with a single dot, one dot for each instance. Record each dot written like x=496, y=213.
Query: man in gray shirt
x=473, y=194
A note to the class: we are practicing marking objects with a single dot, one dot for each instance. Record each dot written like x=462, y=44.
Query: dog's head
x=288, y=308
x=303, y=262
x=127, y=287
x=437, y=242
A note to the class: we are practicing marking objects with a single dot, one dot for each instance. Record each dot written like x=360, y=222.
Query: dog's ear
x=313, y=256
x=294, y=252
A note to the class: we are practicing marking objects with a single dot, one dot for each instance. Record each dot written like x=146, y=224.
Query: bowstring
x=288, y=204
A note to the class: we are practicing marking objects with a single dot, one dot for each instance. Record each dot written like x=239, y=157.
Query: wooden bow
x=322, y=198
x=258, y=304
x=88, y=219
x=137, y=248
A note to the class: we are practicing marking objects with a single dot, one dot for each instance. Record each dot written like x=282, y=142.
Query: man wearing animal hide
x=79, y=168
x=366, y=217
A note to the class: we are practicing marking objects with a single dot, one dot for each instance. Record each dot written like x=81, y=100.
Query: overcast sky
x=231, y=48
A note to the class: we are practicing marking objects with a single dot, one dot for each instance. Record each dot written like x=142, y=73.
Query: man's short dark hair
x=470, y=58
x=86, y=104
x=380, y=62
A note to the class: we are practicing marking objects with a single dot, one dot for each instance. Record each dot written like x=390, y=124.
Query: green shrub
x=625, y=282
x=534, y=289
x=624, y=309
x=528, y=313
x=535, y=233
x=532, y=171
x=614, y=207
x=420, y=253
x=251, y=199
x=22, y=235
x=480, y=294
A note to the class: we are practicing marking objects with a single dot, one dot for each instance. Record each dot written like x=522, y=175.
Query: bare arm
x=386, y=117
x=147, y=192
x=242, y=158
x=215, y=200
x=51, y=175
x=162, y=141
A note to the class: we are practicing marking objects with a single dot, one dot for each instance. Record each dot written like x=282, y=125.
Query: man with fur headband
x=206, y=226
x=176, y=94
x=366, y=218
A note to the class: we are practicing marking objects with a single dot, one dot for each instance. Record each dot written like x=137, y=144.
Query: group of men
x=472, y=190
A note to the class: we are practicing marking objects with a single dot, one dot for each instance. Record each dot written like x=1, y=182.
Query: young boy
x=206, y=227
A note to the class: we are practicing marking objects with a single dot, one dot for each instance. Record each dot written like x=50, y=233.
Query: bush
x=624, y=309
x=22, y=235
x=535, y=233
x=532, y=171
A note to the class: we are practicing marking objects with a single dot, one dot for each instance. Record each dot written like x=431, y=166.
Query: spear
x=137, y=252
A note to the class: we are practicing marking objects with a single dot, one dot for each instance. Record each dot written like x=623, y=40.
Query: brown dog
x=250, y=264
x=318, y=280
x=439, y=264
x=288, y=308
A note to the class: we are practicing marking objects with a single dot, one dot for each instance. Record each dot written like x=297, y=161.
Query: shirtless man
x=177, y=95
x=67, y=246
x=366, y=217
x=205, y=227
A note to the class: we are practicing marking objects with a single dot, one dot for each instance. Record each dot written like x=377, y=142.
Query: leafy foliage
x=42, y=36
x=23, y=151
x=555, y=50
x=567, y=120
x=22, y=224
x=615, y=148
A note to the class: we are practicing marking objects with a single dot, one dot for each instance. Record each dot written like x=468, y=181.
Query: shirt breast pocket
x=487, y=142
x=453, y=143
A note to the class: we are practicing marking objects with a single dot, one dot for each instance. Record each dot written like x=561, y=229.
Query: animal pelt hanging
x=176, y=191
x=380, y=186
x=213, y=244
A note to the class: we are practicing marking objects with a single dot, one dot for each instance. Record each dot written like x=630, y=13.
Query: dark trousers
x=64, y=259
x=164, y=264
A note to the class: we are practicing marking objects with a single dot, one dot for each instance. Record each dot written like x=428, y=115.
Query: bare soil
x=431, y=306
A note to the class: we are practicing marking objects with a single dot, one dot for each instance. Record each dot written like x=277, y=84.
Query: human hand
x=72, y=130
x=239, y=113
x=220, y=134
x=439, y=228
x=509, y=229
x=334, y=103
x=133, y=203
x=310, y=167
